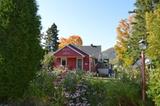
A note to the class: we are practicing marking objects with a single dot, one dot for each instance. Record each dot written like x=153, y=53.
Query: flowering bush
x=81, y=89
x=77, y=88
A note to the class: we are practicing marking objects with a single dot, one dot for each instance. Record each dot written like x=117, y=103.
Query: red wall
x=71, y=58
x=71, y=63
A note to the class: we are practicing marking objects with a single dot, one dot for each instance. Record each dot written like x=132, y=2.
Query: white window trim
x=77, y=63
x=64, y=58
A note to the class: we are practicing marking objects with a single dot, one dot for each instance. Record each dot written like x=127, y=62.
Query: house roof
x=78, y=49
x=65, y=51
x=93, y=51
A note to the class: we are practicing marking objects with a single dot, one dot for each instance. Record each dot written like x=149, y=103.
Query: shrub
x=103, y=92
x=79, y=88
x=75, y=89
x=113, y=93
x=47, y=62
x=43, y=89
x=154, y=86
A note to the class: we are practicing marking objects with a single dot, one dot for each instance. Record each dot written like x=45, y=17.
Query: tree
x=139, y=28
x=20, y=50
x=152, y=22
x=52, y=39
x=74, y=39
x=153, y=51
x=121, y=47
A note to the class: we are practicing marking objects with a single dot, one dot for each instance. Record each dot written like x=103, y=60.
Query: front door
x=71, y=63
x=79, y=64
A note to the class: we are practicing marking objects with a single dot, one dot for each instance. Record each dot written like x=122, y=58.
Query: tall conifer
x=139, y=30
x=52, y=38
x=20, y=50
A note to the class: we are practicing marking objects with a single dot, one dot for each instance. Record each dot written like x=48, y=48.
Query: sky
x=94, y=20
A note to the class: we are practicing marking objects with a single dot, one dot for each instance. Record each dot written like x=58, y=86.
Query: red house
x=79, y=58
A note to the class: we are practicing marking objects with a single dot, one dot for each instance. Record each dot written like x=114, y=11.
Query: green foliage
x=154, y=86
x=51, y=39
x=113, y=93
x=75, y=88
x=80, y=88
x=153, y=21
x=43, y=89
x=97, y=93
x=104, y=92
x=139, y=28
x=72, y=79
x=42, y=84
x=1, y=59
x=20, y=49
x=47, y=62
x=123, y=32
x=128, y=74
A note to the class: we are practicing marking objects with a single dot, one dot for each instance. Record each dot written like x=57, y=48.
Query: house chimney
x=93, y=45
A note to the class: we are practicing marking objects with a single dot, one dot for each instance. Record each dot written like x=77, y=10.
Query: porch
x=71, y=63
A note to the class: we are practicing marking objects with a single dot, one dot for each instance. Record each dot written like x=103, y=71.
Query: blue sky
x=94, y=20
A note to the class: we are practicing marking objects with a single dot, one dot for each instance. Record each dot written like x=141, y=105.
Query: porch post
x=90, y=63
x=82, y=63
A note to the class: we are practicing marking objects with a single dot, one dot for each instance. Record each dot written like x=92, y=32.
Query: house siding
x=71, y=55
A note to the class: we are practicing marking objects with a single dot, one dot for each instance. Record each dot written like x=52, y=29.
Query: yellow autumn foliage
x=74, y=39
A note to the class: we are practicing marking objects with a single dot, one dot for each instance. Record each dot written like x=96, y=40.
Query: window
x=63, y=62
x=79, y=64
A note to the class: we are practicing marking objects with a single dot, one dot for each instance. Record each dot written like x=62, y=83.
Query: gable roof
x=78, y=49
x=75, y=49
x=93, y=51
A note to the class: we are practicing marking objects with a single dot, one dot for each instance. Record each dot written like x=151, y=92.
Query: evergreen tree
x=139, y=30
x=52, y=39
x=20, y=50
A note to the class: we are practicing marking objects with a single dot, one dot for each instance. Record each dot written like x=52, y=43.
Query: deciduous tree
x=121, y=47
x=74, y=39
